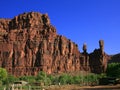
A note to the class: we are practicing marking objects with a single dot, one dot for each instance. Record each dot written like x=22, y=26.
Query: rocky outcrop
x=84, y=59
x=114, y=58
x=98, y=59
x=95, y=62
x=29, y=44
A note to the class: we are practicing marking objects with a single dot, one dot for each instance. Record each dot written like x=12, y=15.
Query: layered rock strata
x=29, y=44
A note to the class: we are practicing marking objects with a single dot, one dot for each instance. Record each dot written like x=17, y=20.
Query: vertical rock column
x=85, y=58
x=102, y=56
x=101, y=45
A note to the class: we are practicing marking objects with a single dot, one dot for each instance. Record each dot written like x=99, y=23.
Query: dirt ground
x=77, y=87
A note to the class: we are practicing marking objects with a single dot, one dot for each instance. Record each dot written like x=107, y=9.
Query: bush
x=113, y=70
x=42, y=78
x=10, y=79
x=3, y=74
x=77, y=79
x=29, y=79
x=55, y=80
x=91, y=79
x=0, y=83
x=51, y=78
x=70, y=80
x=63, y=79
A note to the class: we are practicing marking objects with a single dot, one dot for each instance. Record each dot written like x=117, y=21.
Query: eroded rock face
x=98, y=59
x=95, y=62
x=84, y=59
x=29, y=44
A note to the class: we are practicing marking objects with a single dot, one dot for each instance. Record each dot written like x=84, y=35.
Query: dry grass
x=77, y=87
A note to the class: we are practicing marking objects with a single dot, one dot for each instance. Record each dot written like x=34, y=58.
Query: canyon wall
x=29, y=44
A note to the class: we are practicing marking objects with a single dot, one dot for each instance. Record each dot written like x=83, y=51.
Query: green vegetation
x=29, y=79
x=112, y=75
x=3, y=75
x=64, y=79
x=113, y=70
x=43, y=78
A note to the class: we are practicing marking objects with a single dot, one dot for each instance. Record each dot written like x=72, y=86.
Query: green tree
x=11, y=78
x=77, y=79
x=63, y=79
x=91, y=79
x=113, y=70
x=51, y=78
x=42, y=77
x=3, y=74
x=70, y=79
x=29, y=79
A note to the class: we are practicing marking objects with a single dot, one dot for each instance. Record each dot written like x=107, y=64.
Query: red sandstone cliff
x=29, y=44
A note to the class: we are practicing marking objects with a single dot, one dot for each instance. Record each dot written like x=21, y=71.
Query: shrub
x=9, y=80
x=113, y=70
x=63, y=79
x=51, y=78
x=55, y=80
x=29, y=79
x=70, y=80
x=42, y=77
x=91, y=79
x=3, y=74
x=77, y=79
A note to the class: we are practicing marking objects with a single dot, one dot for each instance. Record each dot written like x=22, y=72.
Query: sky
x=82, y=21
